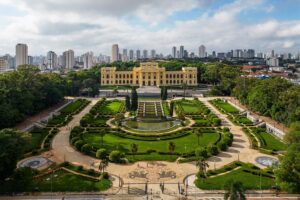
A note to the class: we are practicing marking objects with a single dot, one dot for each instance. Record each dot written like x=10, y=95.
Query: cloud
x=97, y=24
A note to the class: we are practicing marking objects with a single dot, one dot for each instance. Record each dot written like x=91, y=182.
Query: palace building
x=148, y=74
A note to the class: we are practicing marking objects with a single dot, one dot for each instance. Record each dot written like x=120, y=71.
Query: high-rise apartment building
x=115, y=53
x=202, y=51
x=181, y=52
x=174, y=52
x=51, y=60
x=153, y=53
x=145, y=54
x=124, y=55
x=3, y=65
x=68, y=59
x=131, y=55
x=87, y=60
x=21, y=54
x=138, y=54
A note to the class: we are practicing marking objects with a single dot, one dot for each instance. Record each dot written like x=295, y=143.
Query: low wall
x=275, y=131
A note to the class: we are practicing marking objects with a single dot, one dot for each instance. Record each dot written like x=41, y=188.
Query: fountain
x=266, y=161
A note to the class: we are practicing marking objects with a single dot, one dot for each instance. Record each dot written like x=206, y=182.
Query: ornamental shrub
x=101, y=154
x=86, y=148
x=116, y=156
x=78, y=144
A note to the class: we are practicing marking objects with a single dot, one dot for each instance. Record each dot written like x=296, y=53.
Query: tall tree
x=171, y=108
x=234, y=190
x=12, y=146
x=103, y=165
x=127, y=103
x=134, y=148
x=198, y=133
x=134, y=99
x=171, y=147
x=202, y=165
x=288, y=173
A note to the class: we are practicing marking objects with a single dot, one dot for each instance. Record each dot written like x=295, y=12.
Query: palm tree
x=171, y=147
x=103, y=165
x=134, y=148
x=234, y=190
x=198, y=133
x=202, y=165
x=102, y=134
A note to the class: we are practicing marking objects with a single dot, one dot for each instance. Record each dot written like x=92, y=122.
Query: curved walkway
x=240, y=150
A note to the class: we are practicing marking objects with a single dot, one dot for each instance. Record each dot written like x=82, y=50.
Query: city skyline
x=262, y=25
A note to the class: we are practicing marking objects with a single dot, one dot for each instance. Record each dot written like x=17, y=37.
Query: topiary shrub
x=78, y=144
x=222, y=146
x=104, y=175
x=86, y=148
x=201, y=152
x=101, y=154
x=116, y=156
x=216, y=121
x=213, y=150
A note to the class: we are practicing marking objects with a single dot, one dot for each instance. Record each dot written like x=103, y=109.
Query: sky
x=95, y=25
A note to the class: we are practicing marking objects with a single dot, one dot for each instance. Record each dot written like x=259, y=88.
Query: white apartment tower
x=174, y=52
x=87, y=60
x=115, y=53
x=68, y=59
x=21, y=54
x=202, y=51
x=51, y=60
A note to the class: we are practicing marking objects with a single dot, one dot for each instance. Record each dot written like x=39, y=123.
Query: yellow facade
x=148, y=74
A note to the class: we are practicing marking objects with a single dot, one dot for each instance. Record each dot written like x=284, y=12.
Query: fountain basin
x=266, y=161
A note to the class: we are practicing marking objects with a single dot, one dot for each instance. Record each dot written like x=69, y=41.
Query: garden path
x=240, y=150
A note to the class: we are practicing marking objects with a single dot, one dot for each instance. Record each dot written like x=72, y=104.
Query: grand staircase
x=150, y=109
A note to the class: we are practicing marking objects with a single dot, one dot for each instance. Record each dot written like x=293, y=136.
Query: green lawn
x=225, y=106
x=112, y=107
x=190, y=106
x=249, y=180
x=37, y=137
x=268, y=141
x=64, y=181
x=240, y=119
x=183, y=144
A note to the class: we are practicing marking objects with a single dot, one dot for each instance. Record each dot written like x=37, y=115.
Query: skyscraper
x=21, y=54
x=68, y=59
x=138, y=54
x=145, y=54
x=153, y=53
x=181, y=52
x=115, y=53
x=131, y=55
x=124, y=56
x=174, y=51
x=202, y=51
x=51, y=60
x=87, y=60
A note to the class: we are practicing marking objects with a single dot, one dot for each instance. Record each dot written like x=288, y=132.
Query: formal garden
x=252, y=177
x=65, y=115
x=232, y=112
x=195, y=109
x=264, y=141
x=138, y=145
